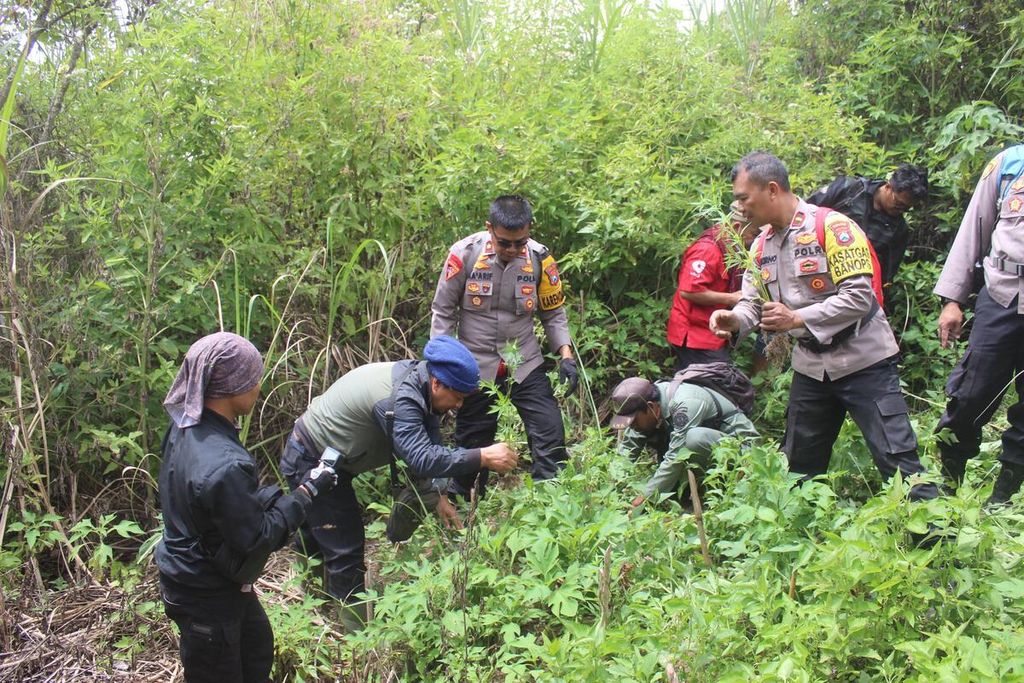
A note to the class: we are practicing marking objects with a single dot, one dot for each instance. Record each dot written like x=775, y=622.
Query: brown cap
x=628, y=398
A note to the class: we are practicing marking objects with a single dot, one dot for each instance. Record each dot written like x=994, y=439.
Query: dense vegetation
x=294, y=171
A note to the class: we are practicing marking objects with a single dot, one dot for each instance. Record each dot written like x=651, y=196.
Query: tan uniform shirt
x=829, y=285
x=992, y=226
x=492, y=304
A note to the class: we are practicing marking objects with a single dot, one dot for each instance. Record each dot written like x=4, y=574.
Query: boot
x=352, y=616
x=408, y=511
x=952, y=474
x=1008, y=483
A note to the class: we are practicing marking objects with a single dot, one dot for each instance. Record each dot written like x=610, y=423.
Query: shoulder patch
x=846, y=248
x=551, y=295
x=452, y=267
x=988, y=169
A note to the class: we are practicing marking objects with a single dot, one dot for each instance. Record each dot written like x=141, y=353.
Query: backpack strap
x=720, y=414
x=1011, y=168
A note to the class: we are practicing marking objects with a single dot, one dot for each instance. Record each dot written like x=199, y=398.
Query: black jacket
x=855, y=197
x=416, y=432
x=220, y=526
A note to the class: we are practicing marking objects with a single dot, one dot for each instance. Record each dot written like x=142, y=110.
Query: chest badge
x=765, y=274
x=808, y=265
x=1015, y=204
x=805, y=238
x=527, y=267
x=527, y=290
x=473, y=287
x=529, y=304
x=818, y=284
x=477, y=301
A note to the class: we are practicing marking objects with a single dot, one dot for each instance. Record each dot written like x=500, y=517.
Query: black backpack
x=724, y=378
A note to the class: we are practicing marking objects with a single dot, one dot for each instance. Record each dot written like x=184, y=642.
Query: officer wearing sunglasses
x=493, y=284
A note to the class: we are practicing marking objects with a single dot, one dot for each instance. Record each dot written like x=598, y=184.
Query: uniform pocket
x=893, y=413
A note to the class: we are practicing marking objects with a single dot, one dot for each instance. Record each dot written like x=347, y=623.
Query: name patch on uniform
x=800, y=252
x=551, y=295
x=452, y=267
x=768, y=260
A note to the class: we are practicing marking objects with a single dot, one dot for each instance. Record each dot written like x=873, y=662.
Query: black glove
x=320, y=479
x=567, y=372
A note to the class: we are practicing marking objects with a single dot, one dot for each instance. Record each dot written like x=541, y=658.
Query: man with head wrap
x=371, y=415
x=220, y=526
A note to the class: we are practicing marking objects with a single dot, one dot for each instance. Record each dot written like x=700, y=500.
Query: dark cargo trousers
x=476, y=425
x=225, y=636
x=334, y=524
x=873, y=399
x=993, y=361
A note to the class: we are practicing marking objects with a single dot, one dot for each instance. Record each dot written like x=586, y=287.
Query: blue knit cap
x=451, y=364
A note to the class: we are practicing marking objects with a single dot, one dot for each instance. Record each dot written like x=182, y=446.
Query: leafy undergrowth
x=556, y=581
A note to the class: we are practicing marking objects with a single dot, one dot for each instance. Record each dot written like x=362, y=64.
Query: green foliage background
x=295, y=171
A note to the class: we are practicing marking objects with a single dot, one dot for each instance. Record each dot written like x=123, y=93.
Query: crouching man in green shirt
x=372, y=415
x=680, y=421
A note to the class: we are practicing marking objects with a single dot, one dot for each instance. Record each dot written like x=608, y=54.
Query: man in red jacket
x=709, y=279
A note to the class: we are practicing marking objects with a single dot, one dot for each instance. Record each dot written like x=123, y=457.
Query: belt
x=1007, y=266
x=815, y=346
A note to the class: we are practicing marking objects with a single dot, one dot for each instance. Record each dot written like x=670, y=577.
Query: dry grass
x=69, y=635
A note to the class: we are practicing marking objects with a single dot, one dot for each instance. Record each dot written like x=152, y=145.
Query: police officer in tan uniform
x=821, y=294
x=494, y=283
x=991, y=228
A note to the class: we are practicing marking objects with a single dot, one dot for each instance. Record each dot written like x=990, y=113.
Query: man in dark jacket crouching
x=372, y=415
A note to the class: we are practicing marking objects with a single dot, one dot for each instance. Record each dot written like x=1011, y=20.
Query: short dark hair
x=911, y=179
x=763, y=168
x=511, y=212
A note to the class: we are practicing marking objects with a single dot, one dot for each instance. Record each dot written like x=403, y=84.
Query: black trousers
x=333, y=529
x=993, y=361
x=476, y=425
x=686, y=357
x=225, y=637
x=873, y=399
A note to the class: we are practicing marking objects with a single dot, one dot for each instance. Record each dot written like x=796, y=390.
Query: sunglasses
x=509, y=244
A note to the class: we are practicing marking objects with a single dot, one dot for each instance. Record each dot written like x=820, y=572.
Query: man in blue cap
x=371, y=416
